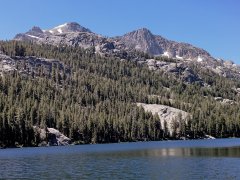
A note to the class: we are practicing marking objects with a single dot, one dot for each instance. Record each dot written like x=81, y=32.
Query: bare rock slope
x=167, y=114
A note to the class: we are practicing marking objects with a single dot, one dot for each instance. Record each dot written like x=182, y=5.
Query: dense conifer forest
x=93, y=99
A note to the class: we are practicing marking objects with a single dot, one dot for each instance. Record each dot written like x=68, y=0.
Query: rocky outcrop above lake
x=51, y=137
x=179, y=69
x=170, y=117
x=30, y=65
x=6, y=63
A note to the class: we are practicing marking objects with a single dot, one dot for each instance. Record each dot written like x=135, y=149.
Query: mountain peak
x=141, y=32
x=142, y=40
x=145, y=30
x=36, y=29
x=68, y=28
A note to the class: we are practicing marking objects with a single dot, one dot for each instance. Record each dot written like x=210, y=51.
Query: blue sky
x=213, y=25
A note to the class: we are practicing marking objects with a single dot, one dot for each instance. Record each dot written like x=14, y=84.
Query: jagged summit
x=143, y=30
x=36, y=34
x=36, y=29
x=68, y=27
x=140, y=33
x=142, y=40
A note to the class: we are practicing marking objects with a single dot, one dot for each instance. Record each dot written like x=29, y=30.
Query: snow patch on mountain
x=166, y=54
x=59, y=28
x=32, y=36
x=179, y=57
x=200, y=59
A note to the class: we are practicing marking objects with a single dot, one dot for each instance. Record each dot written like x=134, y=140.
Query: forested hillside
x=92, y=99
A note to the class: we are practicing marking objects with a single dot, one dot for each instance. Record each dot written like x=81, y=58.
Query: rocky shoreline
x=58, y=139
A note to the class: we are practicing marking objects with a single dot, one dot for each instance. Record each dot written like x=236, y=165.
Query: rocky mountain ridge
x=123, y=47
x=141, y=40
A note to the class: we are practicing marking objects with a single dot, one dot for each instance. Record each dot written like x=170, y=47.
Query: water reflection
x=153, y=160
x=197, y=152
x=178, y=152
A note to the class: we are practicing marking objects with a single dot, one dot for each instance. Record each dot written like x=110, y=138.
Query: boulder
x=51, y=137
x=55, y=138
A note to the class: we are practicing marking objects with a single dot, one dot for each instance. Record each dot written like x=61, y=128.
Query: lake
x=192, y=159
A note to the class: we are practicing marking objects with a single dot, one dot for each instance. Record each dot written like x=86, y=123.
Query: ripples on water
x=202, y=159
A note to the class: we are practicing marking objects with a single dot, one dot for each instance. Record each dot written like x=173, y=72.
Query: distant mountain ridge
x=142, y=40
x=126, y=46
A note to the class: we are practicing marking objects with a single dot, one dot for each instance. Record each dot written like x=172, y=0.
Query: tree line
x=95, y=101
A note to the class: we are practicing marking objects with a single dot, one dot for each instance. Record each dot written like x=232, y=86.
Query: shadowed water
x=198, y=159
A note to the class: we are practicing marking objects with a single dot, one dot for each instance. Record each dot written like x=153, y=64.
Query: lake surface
x=193, y=159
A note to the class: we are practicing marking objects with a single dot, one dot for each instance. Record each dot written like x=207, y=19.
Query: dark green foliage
x=95, y=101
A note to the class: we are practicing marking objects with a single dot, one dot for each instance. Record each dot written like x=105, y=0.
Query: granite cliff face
x=169, y=116
x=30, y=65
x=143, y=40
